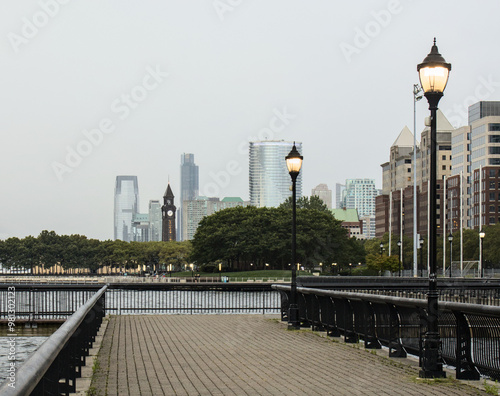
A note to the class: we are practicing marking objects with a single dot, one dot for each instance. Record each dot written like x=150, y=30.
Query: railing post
x=371, y=340
x=395, y=347
x=465, y=369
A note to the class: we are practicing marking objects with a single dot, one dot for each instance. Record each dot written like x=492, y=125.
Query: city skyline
x=150, y=81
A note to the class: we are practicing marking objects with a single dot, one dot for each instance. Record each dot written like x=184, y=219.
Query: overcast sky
x=94, y=89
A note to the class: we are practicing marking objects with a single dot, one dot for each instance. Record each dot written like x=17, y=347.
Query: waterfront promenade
x=246, y=355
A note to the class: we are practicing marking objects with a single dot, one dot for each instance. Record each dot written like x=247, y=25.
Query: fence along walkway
x=243, y=355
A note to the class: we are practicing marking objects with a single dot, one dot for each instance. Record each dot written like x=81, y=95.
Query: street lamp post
x=433, y=73
x=334, y=268
x=399, y=246
x=421, y=245
x=481, y=237
x=450, y=239
x=294, y=163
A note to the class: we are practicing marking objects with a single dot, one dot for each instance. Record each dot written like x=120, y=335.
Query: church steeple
x=168, y=214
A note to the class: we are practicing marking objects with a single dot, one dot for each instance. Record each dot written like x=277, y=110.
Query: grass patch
x=490, y=389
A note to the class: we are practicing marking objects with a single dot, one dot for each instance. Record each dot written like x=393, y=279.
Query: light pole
x=294, y=163
x=334, y=268
x=450, y=239
x=416, y=97
x=433, y=73
x=481, y=237
x=421, y=245
x=399, y=246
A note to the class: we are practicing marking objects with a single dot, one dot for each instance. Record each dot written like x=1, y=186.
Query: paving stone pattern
x=243, y=355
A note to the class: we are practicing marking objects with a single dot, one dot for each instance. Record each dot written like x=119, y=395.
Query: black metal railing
x=54, y=367
x=46, y=303
x=43, y=303
x=472, y=291
x=470, y=333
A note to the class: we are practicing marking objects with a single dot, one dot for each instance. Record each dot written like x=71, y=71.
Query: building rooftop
x=347, y=215
x=404, y=139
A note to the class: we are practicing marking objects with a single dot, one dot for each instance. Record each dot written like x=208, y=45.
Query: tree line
x=245, y=238
x=78, y=251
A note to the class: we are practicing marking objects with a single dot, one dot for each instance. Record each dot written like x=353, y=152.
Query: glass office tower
x=189, y=190
x=126, y=206
x=269, y=179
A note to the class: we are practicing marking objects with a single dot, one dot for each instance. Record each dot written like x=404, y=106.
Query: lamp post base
x=293, y=317
x=431, y=366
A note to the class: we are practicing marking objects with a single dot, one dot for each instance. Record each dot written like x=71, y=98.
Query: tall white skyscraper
x=126, y=206
x=269, y=179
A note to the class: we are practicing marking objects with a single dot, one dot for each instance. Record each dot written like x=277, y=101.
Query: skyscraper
x=268, y=175
x=360, y=194
x=189, y=188
x=155, y=220
x=126, y=206
x=325, y=194
x=339, y=195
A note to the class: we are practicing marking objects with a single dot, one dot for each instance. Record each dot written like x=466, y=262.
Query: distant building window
x=492, y=172
x=445, y=148
x=492, y=185
x=494, y=138
x=492, y=197
x=494, y=127
x=492, y=220
x=494, y=161
x=492, y=209
x=444, y=167
x=443, y=157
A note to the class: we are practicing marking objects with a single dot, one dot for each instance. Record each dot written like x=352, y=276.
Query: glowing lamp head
x=294, y=161
x=433, y=72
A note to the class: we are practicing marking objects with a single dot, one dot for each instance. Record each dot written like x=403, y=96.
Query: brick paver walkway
x=244, y=355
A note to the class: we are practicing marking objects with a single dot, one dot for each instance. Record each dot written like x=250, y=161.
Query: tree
x=314, y=202
x=243, y=235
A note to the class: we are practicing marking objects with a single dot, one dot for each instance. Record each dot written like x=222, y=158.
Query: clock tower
x=168, y=215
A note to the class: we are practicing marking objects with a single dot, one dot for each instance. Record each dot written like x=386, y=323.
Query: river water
x=20, y=346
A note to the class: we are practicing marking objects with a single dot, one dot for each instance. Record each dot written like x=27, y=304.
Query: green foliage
x=314, y=202
x=490, y=389
x=77, y=251
x=250, y=237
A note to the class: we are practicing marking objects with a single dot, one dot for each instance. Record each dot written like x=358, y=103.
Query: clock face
x=170, y=213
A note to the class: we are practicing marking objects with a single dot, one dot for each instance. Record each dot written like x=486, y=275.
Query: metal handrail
x=469, y=331
x=406, y=302
x=33, y=370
